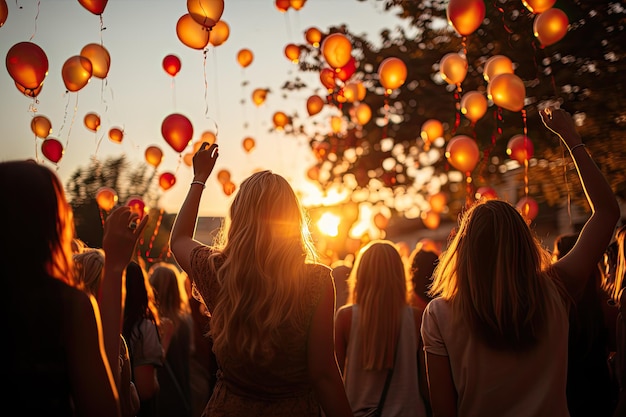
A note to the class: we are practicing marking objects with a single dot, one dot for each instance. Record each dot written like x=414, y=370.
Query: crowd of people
x=492, y=323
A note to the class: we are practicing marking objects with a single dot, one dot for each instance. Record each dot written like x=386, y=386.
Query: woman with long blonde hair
x=271, y=304
x=378, y=332
x=496, y=335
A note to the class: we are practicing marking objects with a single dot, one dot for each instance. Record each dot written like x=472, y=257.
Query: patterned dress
x=280, y=388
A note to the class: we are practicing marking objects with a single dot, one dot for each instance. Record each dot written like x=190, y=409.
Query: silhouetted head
x=423, y=263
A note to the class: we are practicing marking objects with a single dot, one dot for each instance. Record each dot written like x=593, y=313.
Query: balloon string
x=155, y=233
x=526, y=156
x=69, y=129
x=468, y=189
x=206, y=85
x=457, y=117
x=36, y=18
x=288, y=26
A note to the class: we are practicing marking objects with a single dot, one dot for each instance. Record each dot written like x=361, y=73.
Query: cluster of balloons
x=228, y=187
x=550, y=24
x=284, y=5
x=202, y=24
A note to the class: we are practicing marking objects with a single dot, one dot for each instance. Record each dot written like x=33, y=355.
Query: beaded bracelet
x=576, y=146
x=199, y=183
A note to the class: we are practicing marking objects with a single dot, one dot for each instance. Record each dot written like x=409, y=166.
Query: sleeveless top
x=280, y=388
x=364, y=387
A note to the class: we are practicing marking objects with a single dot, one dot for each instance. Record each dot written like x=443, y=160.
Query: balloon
x=116, y=135
x=29, y=92
x=99, y=58
x=336, y=49
x=259, y=95
x=496, y=65
x=280, y=120
x=381, y=221
x=94, y=6
x=438, y=202
x=219, y=33
x=248, y=144
x=520, y=148
x=4, y=12
x=431, y=219
x=208, y=137
x=191, y=33
x=297, y=4
x=206, y=12
x=223, y=176
x=154, y=155
x=487, y=193
x=392, y=73
x=188, y=157
x=171, y=64
x=354, y=91
x=538, y=6
x=431, y=129
x=466, y=16
x=363, y=113
x=292, y=52
x=245, y=57
x=473, y=105
x=27, y=64
x=77, y=72
x=41, y=126
x=229, y=188
x=52, y=149
x=550, y=26
x=462, y=153
x=313, y=173
x=313, y=36
x=327, y=77
x=282, y=5
x=507, y=91
x=136, y=205
x=528, y=207
x=167, y=180
x=347, y=71
x=314, y=105
x=453, y=68
x=336, y=124
x=92, y=121
x=106, y=198
x=177, y=131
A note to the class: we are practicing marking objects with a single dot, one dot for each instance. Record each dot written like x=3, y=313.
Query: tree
x=583, y=73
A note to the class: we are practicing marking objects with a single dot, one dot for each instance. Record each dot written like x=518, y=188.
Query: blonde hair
x=497, y=276
x=260, y=264
x=89, y=266
x=169, y=291
x=378, y=286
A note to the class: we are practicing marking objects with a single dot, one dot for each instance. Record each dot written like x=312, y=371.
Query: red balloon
x=486, y=193
x=177, y=131
x=29, y=92
x=347, y=71
x=27, y=64
x=167, y=180
x=171, y=65
x=4, y=12
x=94, y=6
x=528, y=207
x=77, y=72
x=52, y=149
x=520, y=148
x=137, y=205
x=466, y=15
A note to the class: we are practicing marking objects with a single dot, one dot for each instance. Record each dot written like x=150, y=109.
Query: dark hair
x=423, y=264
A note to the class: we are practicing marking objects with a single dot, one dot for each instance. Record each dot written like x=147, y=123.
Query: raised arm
x=578, y=264
x=181, y=239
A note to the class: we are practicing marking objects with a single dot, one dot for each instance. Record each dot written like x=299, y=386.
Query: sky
x=212, y=89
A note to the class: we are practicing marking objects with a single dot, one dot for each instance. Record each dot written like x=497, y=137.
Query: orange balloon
x=392, y=73
x=208, y=137
x=27, y=64
x=473, y=105
x=206, y=12
x=466, y=16
x=297, y=4
x=229, y=188
x=337, y=50
x=223, y=176
x=154, y=155
x=538, y=6
x=507, y=91
x=106, y=198
x=245, y=57
x=177, y=131
x=496, y=65
x=327, y=77
x=292, y=52
x=381, y=221
x=431, y=129
x=77, y=72
x=41, y=126
x=313, y=36
x=188, y=157
x=191, y=33
x=4, y=12
x=487, y=193
x=29, y=92
x=462, y=153
x=282, y=5
x=116, y=135
x=99, y=57
x=280, y=120
x=431, y=219
x=354, y=91
x=363, y=113
x=550, y=26
x=248, y=144
x=336, y=124
x=219, y=33
x=52, y=149
x=520, y=148
x=171, y=64
x=314, y=105
x=528, y=207
x=92, y=121
x=438, y=202
x=313, y=173
x=453, y=68
x=137, y=205
x=259, y=95
x=167, y=180
x=94, y=6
